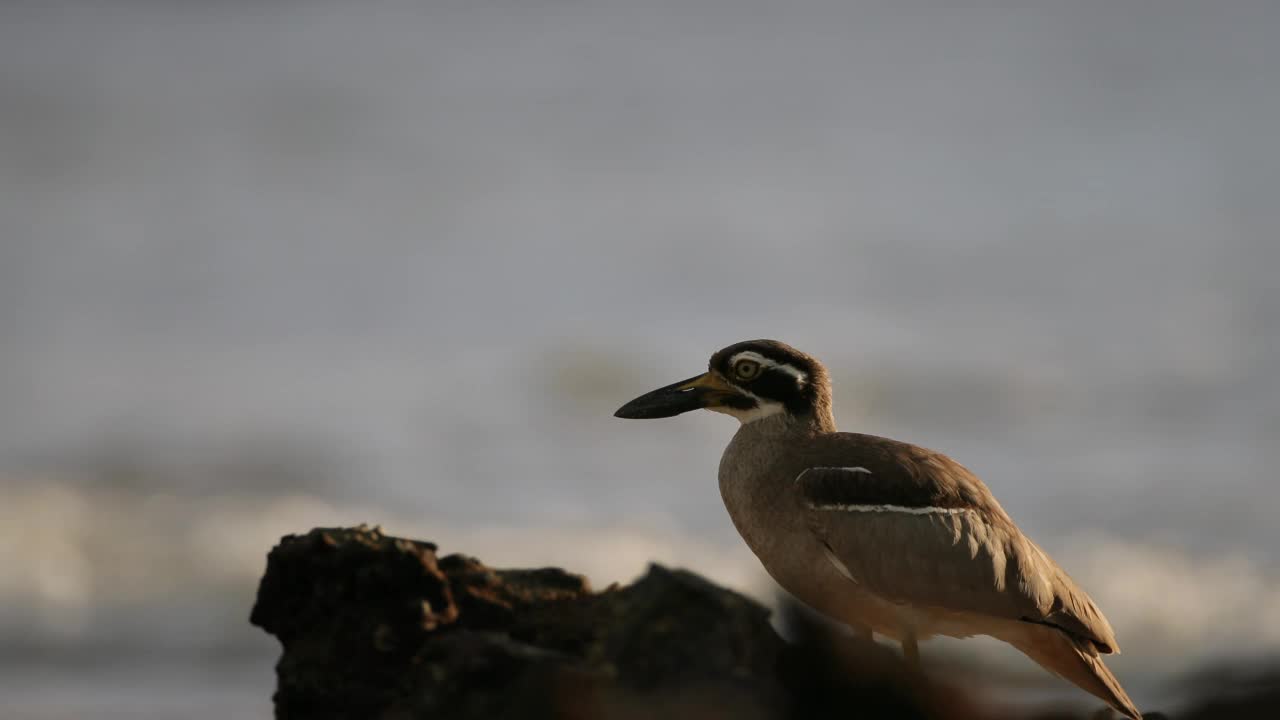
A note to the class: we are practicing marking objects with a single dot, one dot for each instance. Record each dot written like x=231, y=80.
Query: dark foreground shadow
x=374, y=627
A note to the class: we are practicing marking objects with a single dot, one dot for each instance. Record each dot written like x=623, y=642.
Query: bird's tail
x=1058, y=653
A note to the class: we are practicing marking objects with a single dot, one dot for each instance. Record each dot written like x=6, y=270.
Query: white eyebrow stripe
x=930, y=510
x=800, y=376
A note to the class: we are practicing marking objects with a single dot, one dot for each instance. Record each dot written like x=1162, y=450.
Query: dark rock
x=352, y=608
x=1240, y=691
x=825, y=674
x=379, y=628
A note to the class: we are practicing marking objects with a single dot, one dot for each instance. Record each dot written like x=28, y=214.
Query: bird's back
x=994, y=569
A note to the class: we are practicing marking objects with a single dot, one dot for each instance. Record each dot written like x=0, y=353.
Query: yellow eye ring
x=746, y=369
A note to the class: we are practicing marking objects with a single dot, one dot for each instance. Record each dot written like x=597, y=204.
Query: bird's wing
x=917, y=528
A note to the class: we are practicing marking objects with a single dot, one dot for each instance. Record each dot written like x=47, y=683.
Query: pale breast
x=758, y=489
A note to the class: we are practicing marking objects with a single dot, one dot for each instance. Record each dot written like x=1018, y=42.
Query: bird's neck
x=822, y=420
x=818, y=422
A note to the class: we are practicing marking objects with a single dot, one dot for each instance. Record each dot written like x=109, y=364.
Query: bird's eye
x=746, y=369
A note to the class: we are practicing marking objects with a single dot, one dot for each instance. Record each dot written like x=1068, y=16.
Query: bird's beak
x=704, y=391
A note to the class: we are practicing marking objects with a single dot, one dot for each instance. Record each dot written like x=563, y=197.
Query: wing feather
x=928, y=533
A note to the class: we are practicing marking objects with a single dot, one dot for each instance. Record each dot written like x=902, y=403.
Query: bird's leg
x=911, y=649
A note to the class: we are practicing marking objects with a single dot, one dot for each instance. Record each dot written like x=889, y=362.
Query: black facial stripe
x=783, y=387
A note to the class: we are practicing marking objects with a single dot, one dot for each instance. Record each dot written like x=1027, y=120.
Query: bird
x=883, y=536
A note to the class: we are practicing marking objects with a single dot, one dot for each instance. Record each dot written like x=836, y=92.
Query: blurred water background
x=270, y=265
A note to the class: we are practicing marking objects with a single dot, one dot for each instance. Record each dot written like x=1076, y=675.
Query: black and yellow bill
x=707, y=390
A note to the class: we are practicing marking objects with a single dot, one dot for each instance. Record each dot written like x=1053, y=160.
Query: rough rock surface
x=381, y=628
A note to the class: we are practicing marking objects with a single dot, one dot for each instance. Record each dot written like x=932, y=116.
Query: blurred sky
x=271, y=265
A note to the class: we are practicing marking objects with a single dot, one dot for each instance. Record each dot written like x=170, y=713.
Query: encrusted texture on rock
x=380, y=628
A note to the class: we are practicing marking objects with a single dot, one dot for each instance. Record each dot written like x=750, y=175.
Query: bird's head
x=749, y=380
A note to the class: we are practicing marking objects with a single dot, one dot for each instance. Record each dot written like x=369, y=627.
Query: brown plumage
x=883, y=535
